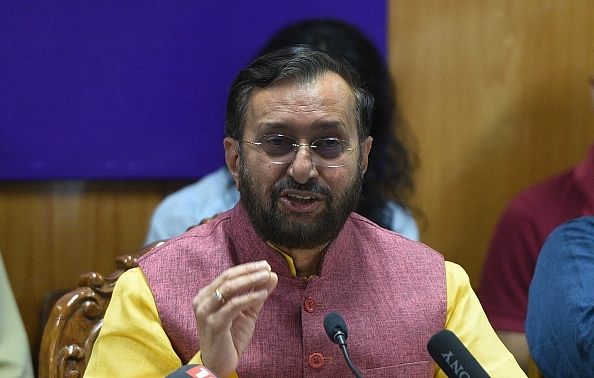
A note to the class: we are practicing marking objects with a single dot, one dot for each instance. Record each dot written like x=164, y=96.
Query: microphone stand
x=336, y=330
x=356, y=373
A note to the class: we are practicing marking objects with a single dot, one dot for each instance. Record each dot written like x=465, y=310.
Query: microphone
x=453, y=357
x=192, y=370
x=336, y=330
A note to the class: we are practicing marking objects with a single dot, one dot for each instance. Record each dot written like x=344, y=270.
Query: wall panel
x=52, y=231
x=496, y=93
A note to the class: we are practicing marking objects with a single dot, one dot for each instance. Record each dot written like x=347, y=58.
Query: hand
x=226, y=326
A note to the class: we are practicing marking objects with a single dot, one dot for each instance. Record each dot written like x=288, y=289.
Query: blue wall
x=134, y=89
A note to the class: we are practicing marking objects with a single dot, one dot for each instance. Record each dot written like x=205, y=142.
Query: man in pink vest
x=247, y=293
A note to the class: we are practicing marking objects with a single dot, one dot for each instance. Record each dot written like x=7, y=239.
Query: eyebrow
x=284, y=128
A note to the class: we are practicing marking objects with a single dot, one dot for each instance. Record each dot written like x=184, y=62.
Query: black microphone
x=192, y=370
x=453, y=357
x=336, y=330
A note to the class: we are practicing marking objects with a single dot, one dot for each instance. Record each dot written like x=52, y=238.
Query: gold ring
x=218, y=296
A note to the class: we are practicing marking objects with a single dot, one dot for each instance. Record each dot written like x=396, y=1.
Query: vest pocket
x=410, y=369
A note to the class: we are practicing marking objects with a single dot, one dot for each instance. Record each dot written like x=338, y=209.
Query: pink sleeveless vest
x=391, y=292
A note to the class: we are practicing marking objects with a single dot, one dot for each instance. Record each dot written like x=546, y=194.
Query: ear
x=365, y=148
x=232, y=158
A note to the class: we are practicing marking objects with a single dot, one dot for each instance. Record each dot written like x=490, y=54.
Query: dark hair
x=301, y=64
x=391, y=161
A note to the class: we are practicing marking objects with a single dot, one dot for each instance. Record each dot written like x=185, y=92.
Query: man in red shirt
x=519, y=235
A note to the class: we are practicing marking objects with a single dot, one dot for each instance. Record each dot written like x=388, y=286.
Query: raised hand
x=226, y=312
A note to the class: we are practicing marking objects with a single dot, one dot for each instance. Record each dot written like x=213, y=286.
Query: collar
x=289, y=261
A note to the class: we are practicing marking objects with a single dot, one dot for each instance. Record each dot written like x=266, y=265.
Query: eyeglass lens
x=325, y=151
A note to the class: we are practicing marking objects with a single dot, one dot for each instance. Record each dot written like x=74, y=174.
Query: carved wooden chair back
x=76, y=319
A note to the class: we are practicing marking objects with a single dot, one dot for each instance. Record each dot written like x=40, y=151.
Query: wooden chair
x=76, y=319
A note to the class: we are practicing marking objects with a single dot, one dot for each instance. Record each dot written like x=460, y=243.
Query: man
x=518, y=237
x=246, y=294
x=560, y=302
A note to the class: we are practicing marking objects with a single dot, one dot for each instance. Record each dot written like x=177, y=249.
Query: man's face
x=300, y=204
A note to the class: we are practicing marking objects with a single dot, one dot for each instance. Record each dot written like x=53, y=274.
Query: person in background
x=515, y=245
x=15, y=356
x=388, y=183
x=560, y=320
x=247, y=293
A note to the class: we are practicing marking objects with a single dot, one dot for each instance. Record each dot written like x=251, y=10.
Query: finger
x=249, y=303
x=221, y=315
x=234, y=289
x=271, y=284
x=244, y=284
x=239, y=271
x=240, y=314
x=230, y=283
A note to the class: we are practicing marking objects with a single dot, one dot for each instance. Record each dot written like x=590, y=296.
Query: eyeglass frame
x=312, y=148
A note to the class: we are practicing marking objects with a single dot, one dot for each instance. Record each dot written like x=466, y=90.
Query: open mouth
x=301, y=199
x=301, y=203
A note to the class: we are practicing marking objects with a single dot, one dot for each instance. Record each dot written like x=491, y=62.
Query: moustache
x=310, y=186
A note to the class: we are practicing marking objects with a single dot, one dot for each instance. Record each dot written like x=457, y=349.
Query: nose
x=302, y=167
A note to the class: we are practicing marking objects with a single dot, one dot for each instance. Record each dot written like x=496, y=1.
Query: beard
x=297, y=230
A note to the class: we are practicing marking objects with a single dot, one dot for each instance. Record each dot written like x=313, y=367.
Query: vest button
x=316, y=360
x=309, y=304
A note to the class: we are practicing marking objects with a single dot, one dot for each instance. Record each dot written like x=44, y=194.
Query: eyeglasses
x=282, y=149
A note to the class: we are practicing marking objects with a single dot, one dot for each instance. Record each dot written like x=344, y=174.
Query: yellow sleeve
x=466, y=318
x=132, y=342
